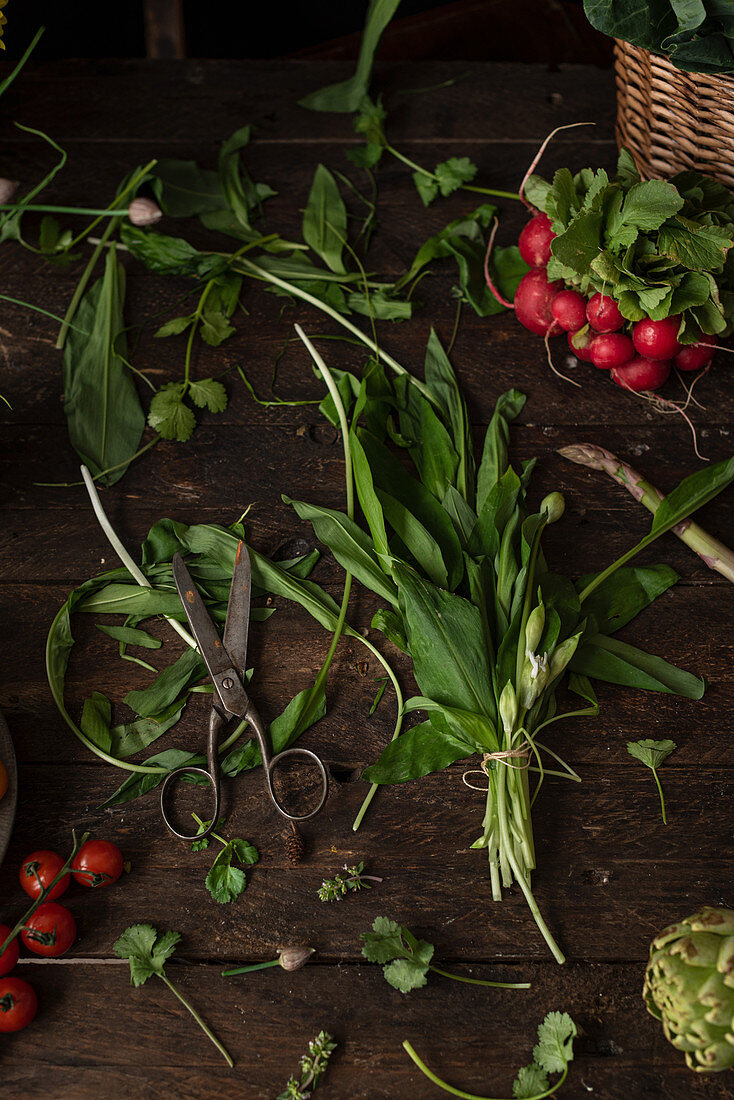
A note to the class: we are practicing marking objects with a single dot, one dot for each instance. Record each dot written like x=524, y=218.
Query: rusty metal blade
x=238, y=610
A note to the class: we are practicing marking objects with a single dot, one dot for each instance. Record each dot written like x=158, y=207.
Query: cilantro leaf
x=210, y=393
x=145, y=950
x=369, y=121
x=175, y=326
x=651, y=753
x=384, y=942
x=225, y=882
x=530, y=1081
x=215, y=328
x=408, y=958
x=405, y=974
x=555, y=1049
x=244, y=851
x=452, y=173
x=203, y=844
x=168, y=414
x=426, y=186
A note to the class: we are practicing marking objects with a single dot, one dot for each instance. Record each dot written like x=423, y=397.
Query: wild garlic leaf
x=651, y=753
x=555, y=1049
x=175, y=326
x=225, y=882
x=530, y=1081
x=210, y=393
x=146, y=950
x=168, y=414
x=130, y=635
x=452, y=173
x=96, y=719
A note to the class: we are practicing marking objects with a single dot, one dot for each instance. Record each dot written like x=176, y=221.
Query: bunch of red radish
x=640, y=359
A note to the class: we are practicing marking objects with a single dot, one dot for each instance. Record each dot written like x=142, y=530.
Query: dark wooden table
x=610, y=874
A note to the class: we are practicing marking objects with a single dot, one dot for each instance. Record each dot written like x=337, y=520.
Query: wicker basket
x=671, y=120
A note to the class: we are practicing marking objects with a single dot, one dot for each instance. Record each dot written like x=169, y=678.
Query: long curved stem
x=471, y=1095
x=257, y=272
x=479, y=981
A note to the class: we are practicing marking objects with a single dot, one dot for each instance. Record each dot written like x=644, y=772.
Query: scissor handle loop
x=213, y=783
x=270, y=768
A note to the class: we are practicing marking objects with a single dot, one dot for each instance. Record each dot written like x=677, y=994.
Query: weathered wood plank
x=177, y=101
x=267, y=1019
x=601, y=850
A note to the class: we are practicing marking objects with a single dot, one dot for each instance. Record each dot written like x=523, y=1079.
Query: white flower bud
x=7, y=190
x=508, y=707
x=143, y=212
x=554, y=505
x=534, y=677
x=562, y=655
x=293, y=958
x=534, y=629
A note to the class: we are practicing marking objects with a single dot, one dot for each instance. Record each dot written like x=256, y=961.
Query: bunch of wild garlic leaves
x=456, y=555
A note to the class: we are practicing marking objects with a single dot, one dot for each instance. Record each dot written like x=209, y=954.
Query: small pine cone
x=295, y=846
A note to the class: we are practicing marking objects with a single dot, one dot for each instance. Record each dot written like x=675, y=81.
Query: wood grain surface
x=610, y=874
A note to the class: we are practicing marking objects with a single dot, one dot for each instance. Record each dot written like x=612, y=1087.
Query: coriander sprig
x=651, y=754
x=552, y=1054
x=334, y=889
x=224, y=882
x=313, y=1067
x=408, y=959
x=147, y=951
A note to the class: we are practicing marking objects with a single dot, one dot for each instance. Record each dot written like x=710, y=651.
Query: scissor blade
x=238, y=610
x=207, y=638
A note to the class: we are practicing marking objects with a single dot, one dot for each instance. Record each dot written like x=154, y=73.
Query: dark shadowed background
x=546, y=31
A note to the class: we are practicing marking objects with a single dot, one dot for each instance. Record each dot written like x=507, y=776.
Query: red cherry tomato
x=97, y=863
x=9, y=957
x=18, y=1004
x=38, y=870
x=50, y=931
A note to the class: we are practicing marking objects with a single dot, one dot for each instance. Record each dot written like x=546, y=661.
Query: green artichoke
x=689, y=986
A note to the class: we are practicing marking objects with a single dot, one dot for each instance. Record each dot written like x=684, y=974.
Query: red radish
x=603, y=314
x=695, y=356
x=535, y=241
x=657, y=339
x=533, y=299
x=641, y=374
x=611, y=349
x=580, y=345
x=569, y=310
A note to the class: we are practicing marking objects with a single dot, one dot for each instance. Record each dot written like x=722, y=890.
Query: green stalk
x=210, y=1034
x=471, y=1095
x=39, y=309
x=713, y=553
x=42, y=209
x=81, y=286
x=660, y=792
x=250, y=969
x=76, y=845
x=192, y=330
x=479, y=981
x=29, y=50
x=250, y=268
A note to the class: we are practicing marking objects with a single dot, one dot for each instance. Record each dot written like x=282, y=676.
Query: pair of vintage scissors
x=225, y=658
